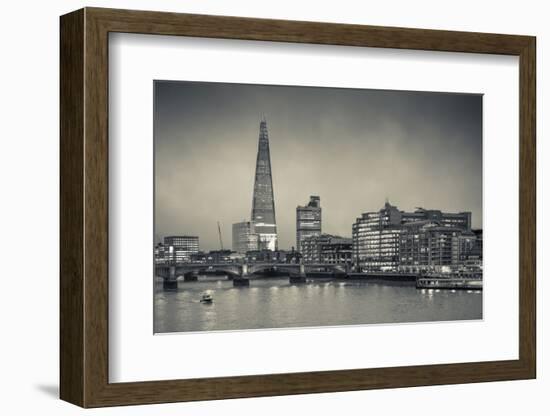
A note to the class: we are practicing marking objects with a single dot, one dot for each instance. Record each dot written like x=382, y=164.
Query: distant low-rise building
x=310, y=247
x=326, y=248
x=293, y=256
x=219, y=256
x=179, y=249
x=428, y=246
x=477, y=250
x=265, y=255
x=199, y=257
x=159, y=254
x=338, y=250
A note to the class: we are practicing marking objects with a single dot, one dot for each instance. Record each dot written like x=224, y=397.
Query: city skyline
x=353, y=148
x=263, y=201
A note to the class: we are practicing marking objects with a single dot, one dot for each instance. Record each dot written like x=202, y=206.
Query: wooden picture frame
x=84, y=207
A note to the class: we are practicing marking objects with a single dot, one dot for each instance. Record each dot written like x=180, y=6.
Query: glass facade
x=428, y=246
x=394, y=240
x=376, y=239
x=263, y=203
x=179, y=249
x=244, y=237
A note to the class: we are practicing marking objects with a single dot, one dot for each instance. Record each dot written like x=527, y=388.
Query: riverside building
x=179, y=249
x=326, y=249
x=380, y=237
x=338, y=250
x=159, y=254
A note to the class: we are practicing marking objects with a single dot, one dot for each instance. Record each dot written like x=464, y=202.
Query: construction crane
x=220, y=235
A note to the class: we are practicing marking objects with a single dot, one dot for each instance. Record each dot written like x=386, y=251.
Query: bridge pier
x=242, y=281
x=190, y=277
x=240, y=272
x=299, y=278
x=169, y=284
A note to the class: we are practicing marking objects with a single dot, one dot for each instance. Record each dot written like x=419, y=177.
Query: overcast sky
x=354, y=148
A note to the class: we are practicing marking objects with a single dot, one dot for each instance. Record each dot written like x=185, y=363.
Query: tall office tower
x=308, y=221
x=263, y=204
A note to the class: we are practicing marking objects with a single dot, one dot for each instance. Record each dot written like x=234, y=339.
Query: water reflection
x=274, y=303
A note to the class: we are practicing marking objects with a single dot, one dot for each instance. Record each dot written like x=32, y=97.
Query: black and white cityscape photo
x=290, y=206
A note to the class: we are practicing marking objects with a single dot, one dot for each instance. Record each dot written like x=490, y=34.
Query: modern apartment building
x=377, y=236
x=179, y=249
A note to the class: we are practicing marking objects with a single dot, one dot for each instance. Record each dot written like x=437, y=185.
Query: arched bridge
x=188, y=270
x=239, y=272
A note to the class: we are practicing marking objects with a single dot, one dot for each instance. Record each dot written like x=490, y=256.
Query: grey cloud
x=354, y=148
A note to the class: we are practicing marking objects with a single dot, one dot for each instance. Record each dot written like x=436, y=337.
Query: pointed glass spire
x=263, y=203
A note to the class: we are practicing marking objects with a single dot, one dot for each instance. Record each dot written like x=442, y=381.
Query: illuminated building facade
x=308, y=220
x=263, y=203
x=327, y=249
x=179, y=249
x=244, y=237
x=379, y=238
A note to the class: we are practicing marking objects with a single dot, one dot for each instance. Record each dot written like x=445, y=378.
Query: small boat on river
x=467, y=281
x=207, y=298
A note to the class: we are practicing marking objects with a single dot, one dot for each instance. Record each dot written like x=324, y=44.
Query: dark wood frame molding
x=84, y=207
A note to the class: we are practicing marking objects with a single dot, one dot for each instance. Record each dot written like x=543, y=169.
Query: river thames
x=274, y=303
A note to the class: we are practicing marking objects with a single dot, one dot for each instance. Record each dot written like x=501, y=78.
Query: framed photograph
x=256, y=207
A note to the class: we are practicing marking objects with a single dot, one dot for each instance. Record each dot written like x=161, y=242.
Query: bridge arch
x=264, y=267
x=187, y=271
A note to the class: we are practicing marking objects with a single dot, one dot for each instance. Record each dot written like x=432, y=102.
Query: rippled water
x=274, y=303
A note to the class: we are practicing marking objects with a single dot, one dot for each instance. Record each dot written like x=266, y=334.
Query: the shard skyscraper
x=263, y=203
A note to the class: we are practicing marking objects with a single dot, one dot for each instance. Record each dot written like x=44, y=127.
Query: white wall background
x=29, y=159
